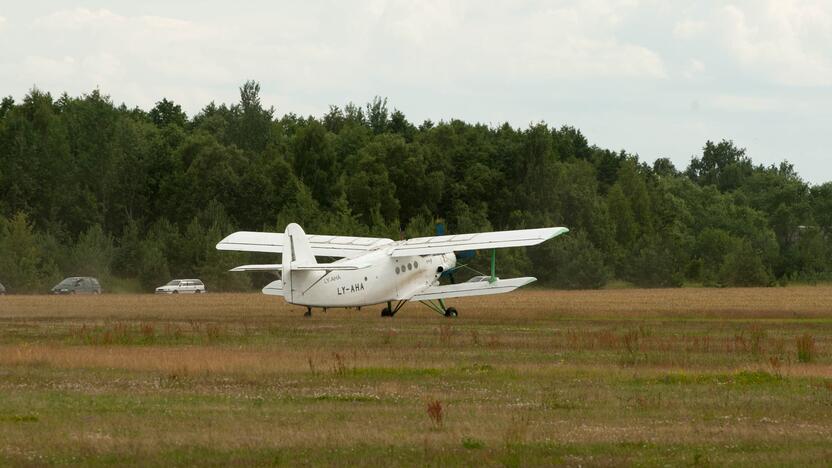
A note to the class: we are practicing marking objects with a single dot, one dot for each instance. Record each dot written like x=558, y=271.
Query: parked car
x=2, y=289
x=77, y=285
x=182, y=286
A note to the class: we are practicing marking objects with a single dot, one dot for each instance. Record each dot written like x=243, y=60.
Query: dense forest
x=137, y=197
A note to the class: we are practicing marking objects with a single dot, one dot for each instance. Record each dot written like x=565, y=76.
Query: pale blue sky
x=656, y=78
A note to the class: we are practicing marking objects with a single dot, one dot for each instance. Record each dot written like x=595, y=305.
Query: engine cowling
x=447, y=262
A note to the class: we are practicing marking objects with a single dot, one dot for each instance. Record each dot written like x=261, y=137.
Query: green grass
x=242, y=380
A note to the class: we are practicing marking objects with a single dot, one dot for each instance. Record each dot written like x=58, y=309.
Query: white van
x=182, y=286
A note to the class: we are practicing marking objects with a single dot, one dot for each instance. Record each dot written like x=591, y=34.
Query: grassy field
x=616, y=377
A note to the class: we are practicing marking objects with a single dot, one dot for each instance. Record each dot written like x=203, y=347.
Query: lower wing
x=476, y=241
x=474, y=288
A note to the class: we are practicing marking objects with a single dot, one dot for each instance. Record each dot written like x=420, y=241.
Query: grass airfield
x=612, y=377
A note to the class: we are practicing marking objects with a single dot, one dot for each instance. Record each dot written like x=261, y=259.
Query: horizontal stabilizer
x=478, y=241
x=273, y=267
x=475, y=288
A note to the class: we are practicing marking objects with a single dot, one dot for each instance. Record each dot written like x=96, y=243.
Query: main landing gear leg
x=390, y=311
x=387, y=311
x=440, y=308
x=308, y=312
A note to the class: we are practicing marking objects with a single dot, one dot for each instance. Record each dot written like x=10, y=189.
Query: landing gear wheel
x=388, y=311
x=450, y=312
x=308, y=312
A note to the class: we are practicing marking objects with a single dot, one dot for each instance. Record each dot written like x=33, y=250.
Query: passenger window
x=409, y=266
x=415, y=264
x=397, y=270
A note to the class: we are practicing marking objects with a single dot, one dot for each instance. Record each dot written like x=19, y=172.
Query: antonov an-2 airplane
x=374, y=271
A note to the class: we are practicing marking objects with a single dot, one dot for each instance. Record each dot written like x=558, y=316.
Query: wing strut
x=493, y=266
x=438, y=308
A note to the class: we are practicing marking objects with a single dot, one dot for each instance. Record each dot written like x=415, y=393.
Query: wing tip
x=555, y=232
x=224, y=243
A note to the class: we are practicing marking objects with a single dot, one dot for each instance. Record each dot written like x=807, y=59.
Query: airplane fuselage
x=386, y=279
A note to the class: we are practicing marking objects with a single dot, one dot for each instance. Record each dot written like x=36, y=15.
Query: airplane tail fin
x=299, y=250
x=298, y=253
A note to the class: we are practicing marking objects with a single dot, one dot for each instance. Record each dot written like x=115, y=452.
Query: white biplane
x=374, y=270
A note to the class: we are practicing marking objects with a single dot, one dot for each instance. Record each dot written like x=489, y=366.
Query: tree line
x=137, y=197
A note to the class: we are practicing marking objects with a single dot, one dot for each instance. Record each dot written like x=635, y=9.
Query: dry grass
x=536, y=377
x=696, y=303
x=805, y=348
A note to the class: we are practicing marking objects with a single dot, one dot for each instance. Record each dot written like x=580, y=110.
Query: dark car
x=77, y=285
x=2, y=289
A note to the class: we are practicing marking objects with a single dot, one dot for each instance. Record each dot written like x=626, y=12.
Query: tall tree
x=167, y=113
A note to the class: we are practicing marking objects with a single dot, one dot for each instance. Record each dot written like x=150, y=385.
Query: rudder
x=299, y=250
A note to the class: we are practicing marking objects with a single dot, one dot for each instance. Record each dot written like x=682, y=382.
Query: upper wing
x=300, y=267
x=322, y=246
x=484, y=240
x=478, y=288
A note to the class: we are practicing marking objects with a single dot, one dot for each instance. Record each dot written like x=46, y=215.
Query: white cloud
x=788, y=41
x=103, y=67
x=453, y=45
x=780, y=41
x=463, y=41
x=53, y=68
x=80, y=18
x=734, y=103
x=694, y=69
x=573, y=43
x=88, y=48
x=689, y=29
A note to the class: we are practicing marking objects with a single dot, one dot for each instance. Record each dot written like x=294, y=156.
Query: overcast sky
x=657, y=78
